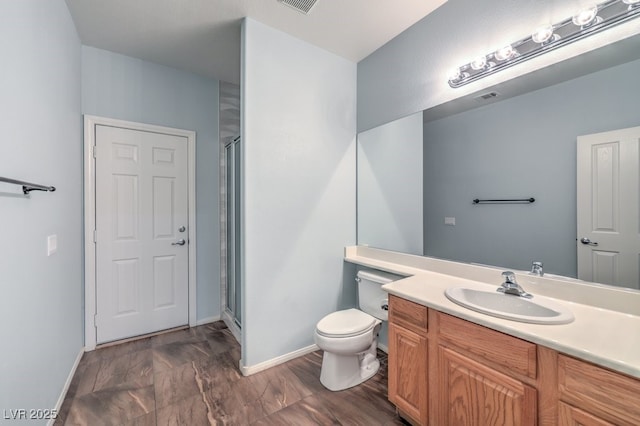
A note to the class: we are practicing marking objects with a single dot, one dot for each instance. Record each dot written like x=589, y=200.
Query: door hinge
x=94, y=148
x=95, y=320
x=95, y=235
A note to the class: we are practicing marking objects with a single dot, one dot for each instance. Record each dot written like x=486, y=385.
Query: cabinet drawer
x=409, y=315
x=603, y=393
x=514, y=354
x=572, y=416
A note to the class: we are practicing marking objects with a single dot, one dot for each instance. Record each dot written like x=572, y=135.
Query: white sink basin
x=537, y=310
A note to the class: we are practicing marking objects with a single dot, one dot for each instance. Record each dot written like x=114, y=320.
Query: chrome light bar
x=547, y=38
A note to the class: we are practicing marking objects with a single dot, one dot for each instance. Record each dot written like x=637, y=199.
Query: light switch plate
x=52, y=244
x=450, y=221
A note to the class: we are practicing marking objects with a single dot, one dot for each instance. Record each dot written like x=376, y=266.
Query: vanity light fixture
x=546, y=38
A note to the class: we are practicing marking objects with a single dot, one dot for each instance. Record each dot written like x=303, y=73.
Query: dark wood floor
x=191, y=377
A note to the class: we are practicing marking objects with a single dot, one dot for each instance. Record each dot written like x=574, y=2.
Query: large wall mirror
x=517, y=148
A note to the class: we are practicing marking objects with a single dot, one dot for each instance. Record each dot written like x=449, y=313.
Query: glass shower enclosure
x=233, y=305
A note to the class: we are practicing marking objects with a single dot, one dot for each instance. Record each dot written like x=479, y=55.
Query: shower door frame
x=231, y=302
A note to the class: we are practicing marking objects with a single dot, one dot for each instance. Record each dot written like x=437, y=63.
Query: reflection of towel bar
x=506, y=201
x=28, y=187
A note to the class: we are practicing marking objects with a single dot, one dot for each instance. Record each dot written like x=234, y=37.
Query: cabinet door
x=408, y=372
x=474, y=394
x=572, y=416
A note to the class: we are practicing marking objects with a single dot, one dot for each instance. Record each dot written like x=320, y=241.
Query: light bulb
x=479, y=63
x=542, y=34
x=455, y=75
x=505, y=53
x=585, y=17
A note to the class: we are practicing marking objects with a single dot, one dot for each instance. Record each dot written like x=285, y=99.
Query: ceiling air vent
x=303, y=6
x=487, y=96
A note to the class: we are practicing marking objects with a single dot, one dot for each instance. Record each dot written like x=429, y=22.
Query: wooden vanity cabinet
x=408, y=359
x=447, y=371
x=463, y=364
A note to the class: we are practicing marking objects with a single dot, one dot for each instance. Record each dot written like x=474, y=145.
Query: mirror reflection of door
x=608, y=207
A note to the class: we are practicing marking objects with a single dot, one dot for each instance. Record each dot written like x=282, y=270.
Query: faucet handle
x=509, y=277
x=536, y=268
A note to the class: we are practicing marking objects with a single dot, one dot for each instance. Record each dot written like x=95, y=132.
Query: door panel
x=125, y=207
x=606, y=181
x=164, y=220
x=608, y=207
x=141, y=202
x=164, y=281
x=126, y=286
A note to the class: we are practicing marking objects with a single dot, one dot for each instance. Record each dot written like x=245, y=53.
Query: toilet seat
x=346, y=323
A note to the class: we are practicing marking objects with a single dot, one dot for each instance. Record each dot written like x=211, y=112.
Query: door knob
x=180, y=242
x=586, y=241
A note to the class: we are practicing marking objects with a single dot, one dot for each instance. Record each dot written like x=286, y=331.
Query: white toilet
x=349, y=338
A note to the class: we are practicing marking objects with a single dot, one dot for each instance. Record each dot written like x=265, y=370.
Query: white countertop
x=605, y=337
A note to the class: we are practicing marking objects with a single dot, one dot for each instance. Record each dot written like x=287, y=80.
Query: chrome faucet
x=536, y=269
x=510, y=286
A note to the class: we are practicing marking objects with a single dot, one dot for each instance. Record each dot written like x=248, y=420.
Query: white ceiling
x=203, y=36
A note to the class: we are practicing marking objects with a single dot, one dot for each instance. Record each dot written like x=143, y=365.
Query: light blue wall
x=390, y=186
x=299, y=158
x=126, y=88
x=41, y=127
x=520, y=147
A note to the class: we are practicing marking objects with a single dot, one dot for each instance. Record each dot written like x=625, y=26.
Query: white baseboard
x=65, y=389
x=207, y=320
x=383, y=348
x=253, y=369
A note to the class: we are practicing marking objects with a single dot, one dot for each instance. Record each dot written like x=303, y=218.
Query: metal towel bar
x=506, y=201
x=28, y=187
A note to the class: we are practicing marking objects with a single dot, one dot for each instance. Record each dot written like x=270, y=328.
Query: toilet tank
x=371, y=296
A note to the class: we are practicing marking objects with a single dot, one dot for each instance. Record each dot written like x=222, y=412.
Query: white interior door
x=608, y=207
x=141, y=232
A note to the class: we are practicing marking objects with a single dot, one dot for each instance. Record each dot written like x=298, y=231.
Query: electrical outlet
x=451, y=221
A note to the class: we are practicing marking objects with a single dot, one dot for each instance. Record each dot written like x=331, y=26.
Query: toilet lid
x=349, y=322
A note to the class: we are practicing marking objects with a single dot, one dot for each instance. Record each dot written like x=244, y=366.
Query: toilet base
x=341, y=372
